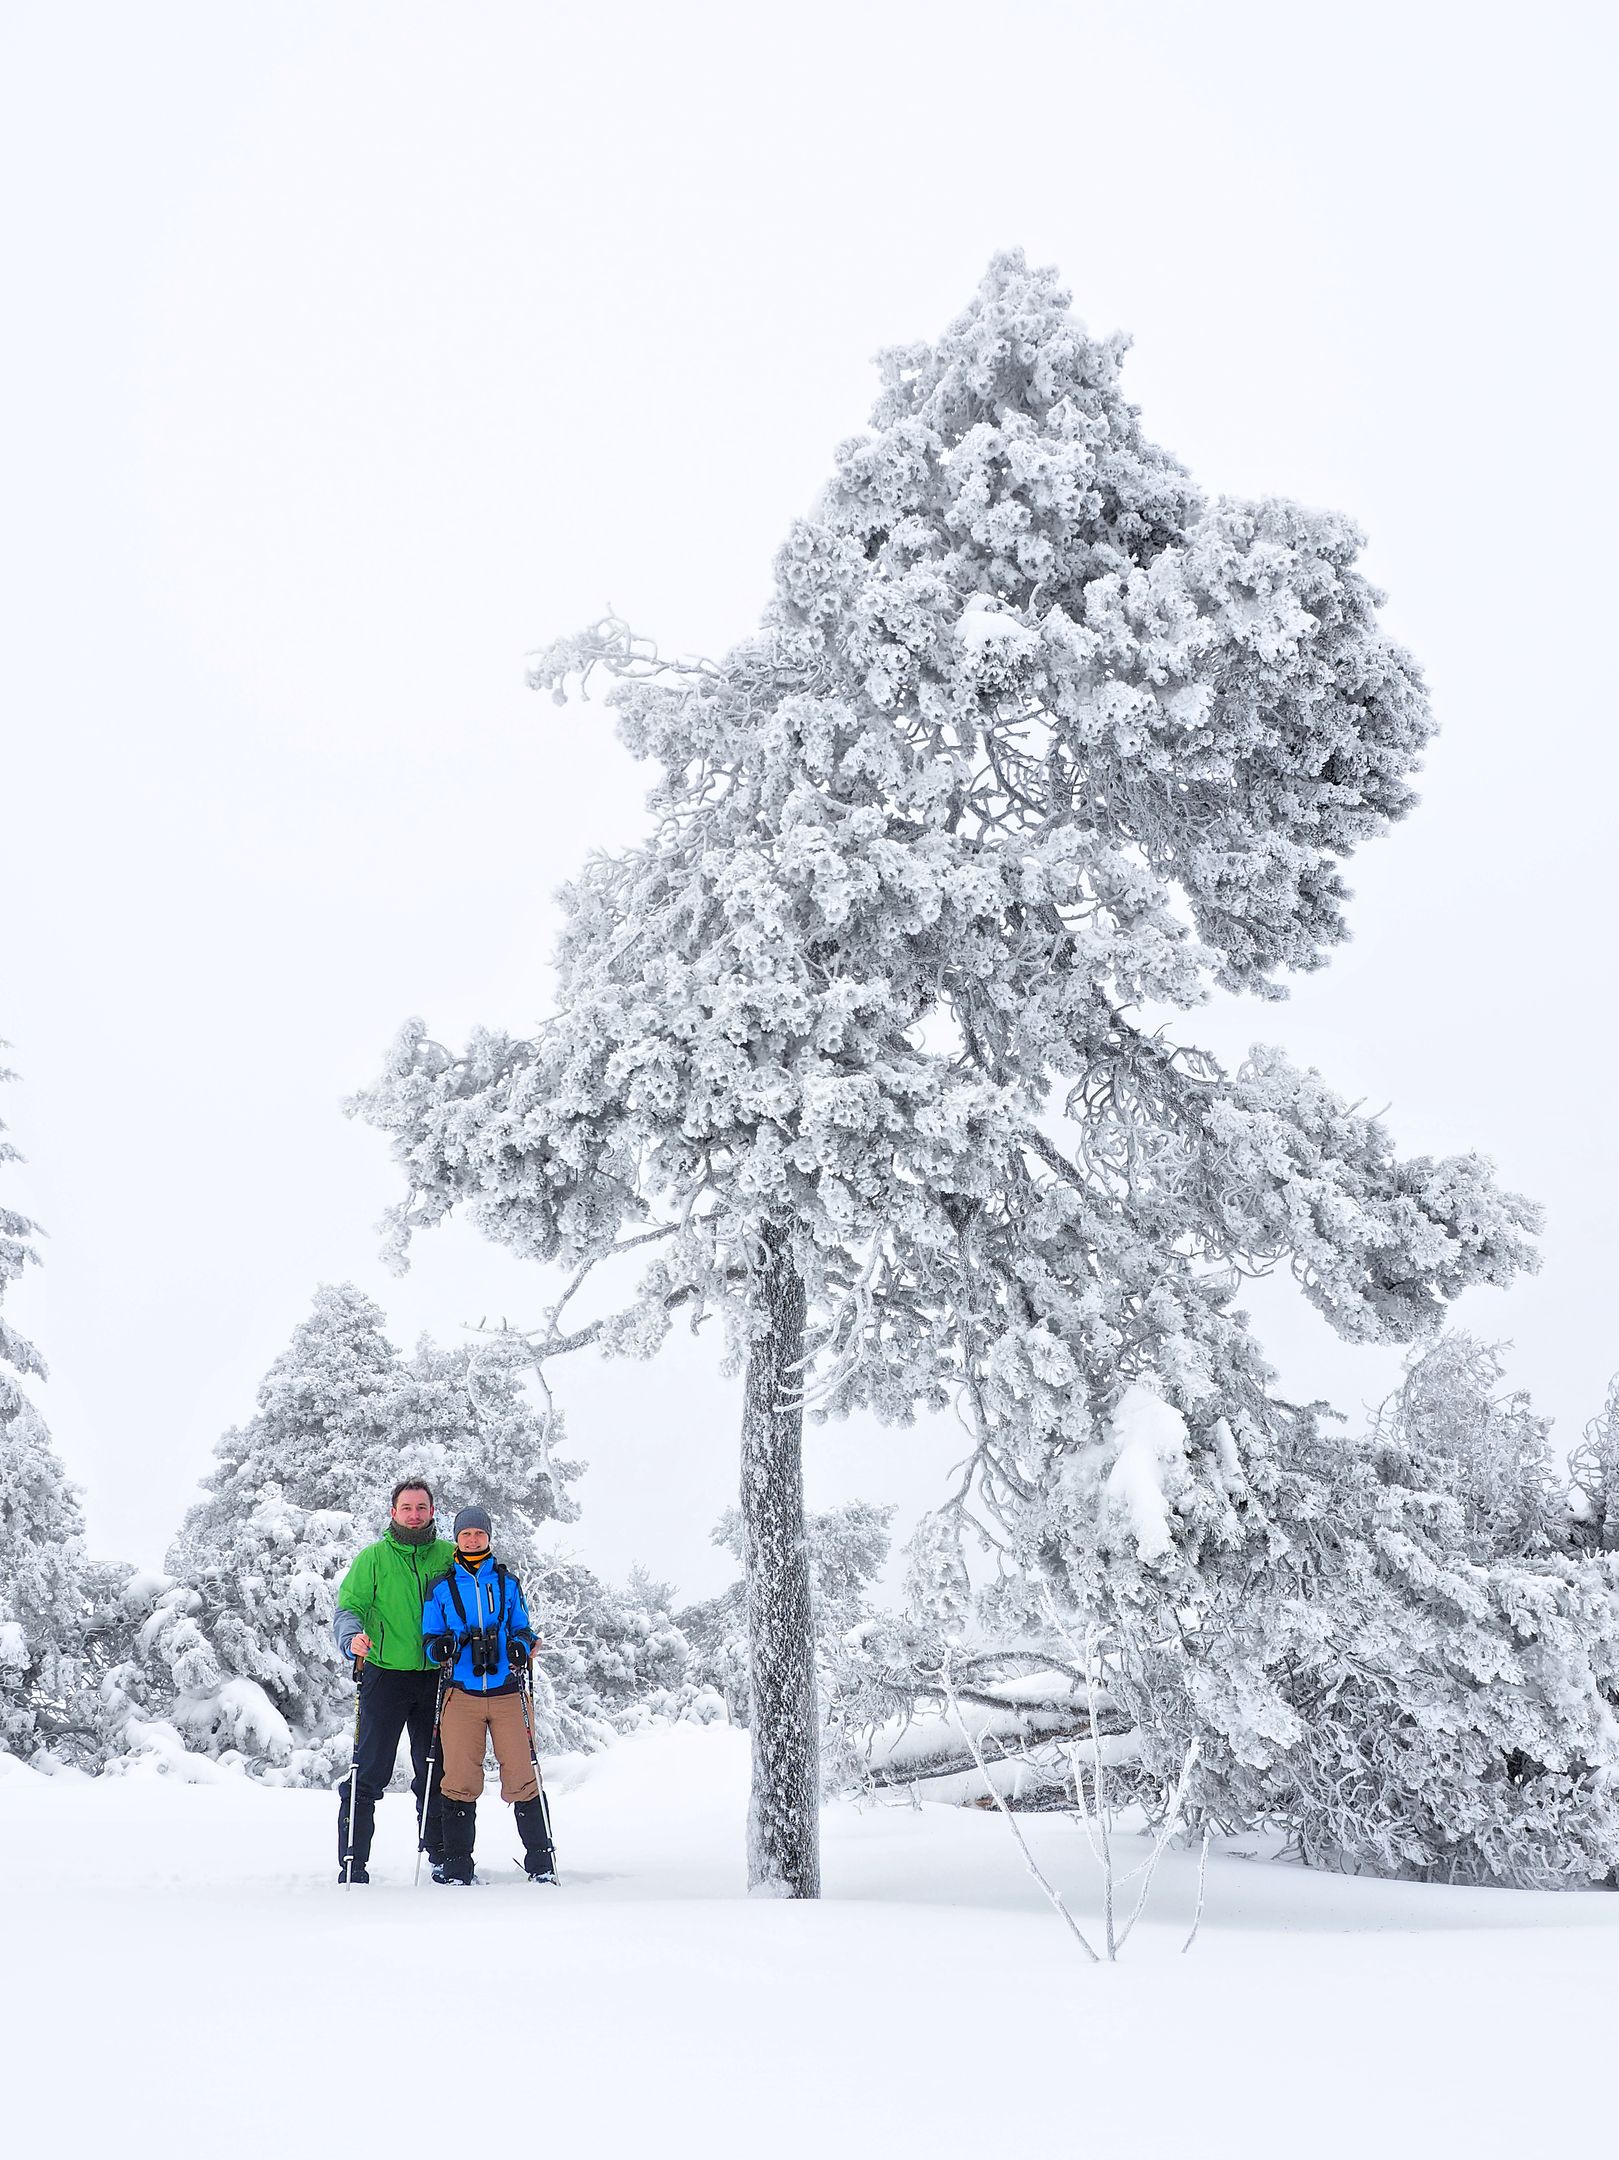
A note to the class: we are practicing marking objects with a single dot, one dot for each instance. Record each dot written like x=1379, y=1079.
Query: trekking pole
x=525, y=1695
x=427, y=1782
x=354, y=1775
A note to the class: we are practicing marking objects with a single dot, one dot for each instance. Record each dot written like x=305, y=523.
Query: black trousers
x=391, y=1703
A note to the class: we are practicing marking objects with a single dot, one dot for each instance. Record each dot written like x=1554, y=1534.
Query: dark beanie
x=473, y=1518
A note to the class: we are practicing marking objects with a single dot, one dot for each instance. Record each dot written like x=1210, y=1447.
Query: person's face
x=472, y=1542
x=413, y=1510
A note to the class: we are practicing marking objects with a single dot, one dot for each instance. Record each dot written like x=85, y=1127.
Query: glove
x=519, y=1648
x=441, y=1649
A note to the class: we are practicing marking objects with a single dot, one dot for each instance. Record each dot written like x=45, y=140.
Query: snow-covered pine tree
x=1032, y=735
x=615, y=1656
x=1593, y=1533
x=1454, y=1429
x=1362, y=1640
x=46, y=1692
x=235, y=1654
x=1594, y=1471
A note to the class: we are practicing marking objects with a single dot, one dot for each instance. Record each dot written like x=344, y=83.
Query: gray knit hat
x=473, y=1518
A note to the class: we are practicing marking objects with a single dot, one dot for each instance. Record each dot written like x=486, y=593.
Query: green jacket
x=385, y=1591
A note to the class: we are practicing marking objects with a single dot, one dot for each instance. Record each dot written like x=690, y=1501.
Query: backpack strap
x=503, y=1603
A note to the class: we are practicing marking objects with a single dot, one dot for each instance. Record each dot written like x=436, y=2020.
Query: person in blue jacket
x=476, y=1629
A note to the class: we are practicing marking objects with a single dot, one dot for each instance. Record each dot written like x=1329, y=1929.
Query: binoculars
x=484, y=1651
x=483, y=1645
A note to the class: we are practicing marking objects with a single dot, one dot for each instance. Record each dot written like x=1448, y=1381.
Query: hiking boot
x=534, y=1828
x=460, y=1822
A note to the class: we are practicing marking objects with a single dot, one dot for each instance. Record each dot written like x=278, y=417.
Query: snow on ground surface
x=182, y=1976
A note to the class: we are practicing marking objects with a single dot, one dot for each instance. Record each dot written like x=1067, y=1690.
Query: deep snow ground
x=182, y=1976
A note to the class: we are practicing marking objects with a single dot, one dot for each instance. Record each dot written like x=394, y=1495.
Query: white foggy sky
x=353, y=351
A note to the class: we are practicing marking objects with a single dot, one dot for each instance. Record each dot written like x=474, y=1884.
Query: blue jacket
x=489, y=1599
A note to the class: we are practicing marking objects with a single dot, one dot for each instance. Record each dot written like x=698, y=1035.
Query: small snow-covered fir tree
x=46, y=1639
x=1454, y=1429
x=615, y=1656
x=1594, y=1471
x=232, y=1655
x=18, y=1357
x=46, y=1682
x=1033, y=735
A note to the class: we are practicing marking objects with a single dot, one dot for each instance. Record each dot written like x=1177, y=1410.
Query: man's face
x=472, y=1541
x=413, y=1510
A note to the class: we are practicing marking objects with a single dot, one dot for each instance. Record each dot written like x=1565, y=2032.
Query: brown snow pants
x=462, y=1728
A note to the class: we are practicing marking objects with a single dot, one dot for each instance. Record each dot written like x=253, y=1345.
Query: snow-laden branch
x=610, y=644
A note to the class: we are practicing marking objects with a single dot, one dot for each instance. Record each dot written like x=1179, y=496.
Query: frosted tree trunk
x=784, y=1852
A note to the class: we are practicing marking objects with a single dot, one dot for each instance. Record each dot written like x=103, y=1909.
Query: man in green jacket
x=379, y=1621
